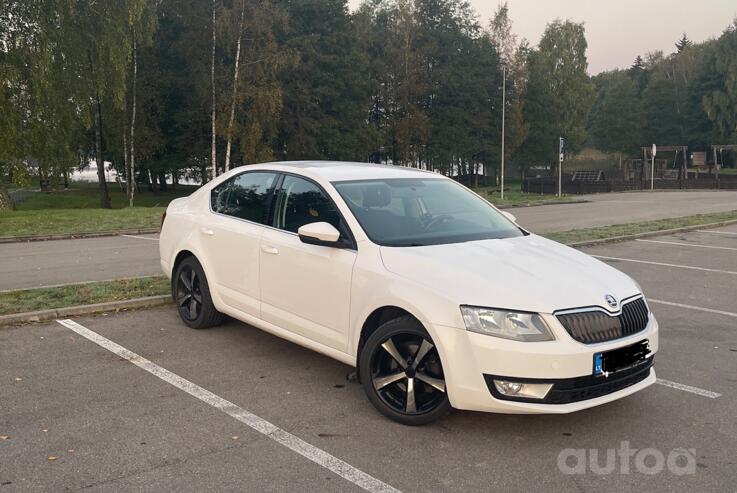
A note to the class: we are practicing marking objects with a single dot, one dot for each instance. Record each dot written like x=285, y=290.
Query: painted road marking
x=665, y=265
x=717, y=232
x=687, y=244
x=316, y=455
x=688, y=388
x=691, y=307
x=140, y=237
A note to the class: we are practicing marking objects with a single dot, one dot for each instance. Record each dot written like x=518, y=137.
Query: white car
x=437, y=298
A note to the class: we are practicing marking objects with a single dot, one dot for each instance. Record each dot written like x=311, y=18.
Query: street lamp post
x=561, y=149
x=504, y=107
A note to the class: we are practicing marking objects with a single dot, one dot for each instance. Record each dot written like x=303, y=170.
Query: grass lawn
x=74, y=221
x=587, y=234
x=81, y=294
x=87, y=196
x=516, y=197
x=77, y=211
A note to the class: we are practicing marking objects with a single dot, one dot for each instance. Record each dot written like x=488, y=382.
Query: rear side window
x=245, y=196
x=302, y=202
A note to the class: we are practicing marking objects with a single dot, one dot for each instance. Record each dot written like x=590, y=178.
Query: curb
x=646, y=234
x=75, y=236
x=73, y=311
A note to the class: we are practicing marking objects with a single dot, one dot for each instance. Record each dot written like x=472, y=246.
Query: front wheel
x=191, y=293
x=402, y=374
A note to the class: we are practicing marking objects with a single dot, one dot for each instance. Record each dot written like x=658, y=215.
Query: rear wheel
x=402, y=374
x=191, y=293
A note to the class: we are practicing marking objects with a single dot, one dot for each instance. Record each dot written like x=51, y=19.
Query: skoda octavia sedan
x=437, y=298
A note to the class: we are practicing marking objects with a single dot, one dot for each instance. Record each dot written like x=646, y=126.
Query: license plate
x=608, y=362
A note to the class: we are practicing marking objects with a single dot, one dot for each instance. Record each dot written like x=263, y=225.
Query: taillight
x=163, y=216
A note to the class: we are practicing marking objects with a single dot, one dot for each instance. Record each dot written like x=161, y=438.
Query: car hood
x=527, y=273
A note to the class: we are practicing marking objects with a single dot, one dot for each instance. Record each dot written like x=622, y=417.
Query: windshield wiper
x=413, y=244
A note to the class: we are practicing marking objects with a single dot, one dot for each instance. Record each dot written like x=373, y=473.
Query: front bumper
x=471, y=361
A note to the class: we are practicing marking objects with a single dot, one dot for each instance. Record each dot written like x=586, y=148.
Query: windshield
x=422, y=211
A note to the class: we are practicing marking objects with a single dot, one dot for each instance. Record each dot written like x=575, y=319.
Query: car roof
x=335, y=171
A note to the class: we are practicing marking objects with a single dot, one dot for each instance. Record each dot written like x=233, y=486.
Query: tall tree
x=327, y=93
x=236, y=66
x=513, y=54
x=213, y=145
x=720, y=100
x=560, y=93
x=616, y=117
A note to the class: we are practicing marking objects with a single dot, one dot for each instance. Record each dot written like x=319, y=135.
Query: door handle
x=207, y=231
x=270, y=249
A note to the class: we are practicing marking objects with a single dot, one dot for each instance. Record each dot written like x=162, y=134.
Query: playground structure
x=672, y=167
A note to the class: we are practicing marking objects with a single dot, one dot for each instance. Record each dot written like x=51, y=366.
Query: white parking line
x=140, y=237
x=691, y=307
x=603, y=257
x=686, y=244
x=717, y=232
x=688, y=388
x=316, y=455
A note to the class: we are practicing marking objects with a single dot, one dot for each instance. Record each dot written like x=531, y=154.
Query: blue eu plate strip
x=598, y=370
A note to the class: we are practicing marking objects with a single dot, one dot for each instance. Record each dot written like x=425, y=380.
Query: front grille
x=591, y=327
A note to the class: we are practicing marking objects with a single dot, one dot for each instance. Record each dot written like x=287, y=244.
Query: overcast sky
x=618, y=30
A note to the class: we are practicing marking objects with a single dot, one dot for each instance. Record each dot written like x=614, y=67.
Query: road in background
x=605, y=209
x=26, y=265
x=47, y=263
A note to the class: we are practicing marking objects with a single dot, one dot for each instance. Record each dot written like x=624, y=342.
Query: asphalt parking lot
x=197, y=410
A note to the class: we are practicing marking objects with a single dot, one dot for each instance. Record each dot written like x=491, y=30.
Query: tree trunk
x=213, y=153
x=162, y=182
x=104, y=196
x=132, y=169
x=128, y=180
x=235, y=87
x=151, y=186
x=6, y=202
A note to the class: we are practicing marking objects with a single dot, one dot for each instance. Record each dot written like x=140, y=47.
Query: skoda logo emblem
x=611, y=301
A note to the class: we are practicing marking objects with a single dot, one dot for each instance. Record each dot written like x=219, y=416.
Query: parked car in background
x=438, y=299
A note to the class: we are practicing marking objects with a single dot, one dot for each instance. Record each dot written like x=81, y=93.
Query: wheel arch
x=181, y=255
x=376, y=318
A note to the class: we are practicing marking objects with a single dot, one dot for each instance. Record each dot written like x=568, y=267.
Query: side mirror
x=509, y=216
x=321, y=233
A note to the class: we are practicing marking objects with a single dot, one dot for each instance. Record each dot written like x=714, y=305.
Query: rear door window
x=246, y=196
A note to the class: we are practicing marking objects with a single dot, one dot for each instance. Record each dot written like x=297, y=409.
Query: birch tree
x=131, y=171
x=213, y=149
x=236, y=65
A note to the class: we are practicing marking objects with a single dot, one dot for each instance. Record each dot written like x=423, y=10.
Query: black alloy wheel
x=402, y=373
x=191, y=293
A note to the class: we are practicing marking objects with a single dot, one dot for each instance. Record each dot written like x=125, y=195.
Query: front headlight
x=518, y=326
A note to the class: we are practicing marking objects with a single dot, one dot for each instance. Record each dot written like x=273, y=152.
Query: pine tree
x=683, y=43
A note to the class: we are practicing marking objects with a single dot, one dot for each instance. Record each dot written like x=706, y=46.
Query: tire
x=191, y=294
x=404, y=382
